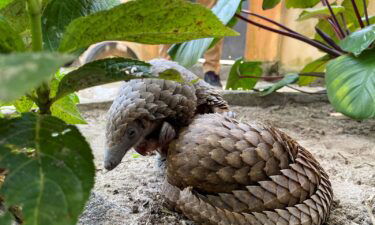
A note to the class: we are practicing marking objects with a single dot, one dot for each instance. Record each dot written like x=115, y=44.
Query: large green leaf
x=21, y=72
x=269, y=4
x=350, y=84
x=316, y=66
x=51, y=169
x=67, y=110
x=301, y=3
x=188, y=53
x=58, y=14
x=147, y=22
x=243, y=68
x=288, y=79
x=10, y=40
x=102, y=72
x=349, y=13
x=4, y=3
x=6, y=218
x=359, y=41
x=16, y=14
x=321, y=13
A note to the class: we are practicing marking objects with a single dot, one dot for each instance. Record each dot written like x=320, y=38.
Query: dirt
x=129, y=194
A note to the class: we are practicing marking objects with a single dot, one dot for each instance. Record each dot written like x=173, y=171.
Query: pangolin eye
x=131, y=132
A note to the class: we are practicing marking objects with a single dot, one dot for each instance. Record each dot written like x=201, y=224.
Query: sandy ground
x=129, y=194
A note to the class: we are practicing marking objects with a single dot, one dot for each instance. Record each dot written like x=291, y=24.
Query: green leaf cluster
x=237, y=76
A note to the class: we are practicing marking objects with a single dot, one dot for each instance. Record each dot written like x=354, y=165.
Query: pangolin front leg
x=238, y=173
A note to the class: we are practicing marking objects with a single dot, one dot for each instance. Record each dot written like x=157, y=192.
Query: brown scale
x=238, y=173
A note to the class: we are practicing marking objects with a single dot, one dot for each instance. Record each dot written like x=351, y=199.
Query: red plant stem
x=328, y=39
x=335, y=21
x=337, y=32
x=306, y=92
x=307, y=40
x=273, y=78
x=357, y=14
x=271, y=21
x=366, y=12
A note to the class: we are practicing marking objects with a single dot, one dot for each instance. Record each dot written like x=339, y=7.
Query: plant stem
x=328, y=39
x=319, y=45
x=273, y=78
x=307, y=92
x=335, y=21
x=35, y=14
x=357, y=14
x=366, y=12
x=271, y=21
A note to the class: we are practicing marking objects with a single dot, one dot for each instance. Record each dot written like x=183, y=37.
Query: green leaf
x=102, y=72
x=269, y=4
x=350, y=84
x=4, y=3
x=147, y=22
x=188, y=53
x=171, y=74
x=58, y=15
x=21, y=72
x=288, y=79
x=320, y=13
x=6, y=218
x=53, y=183
x=16, y=14
x=24, y=104
x=359, y=41
x=10, y=41
x=301, y=3
x=349, y=13
x=67, y=110
x=242, y=68
x=316, y=66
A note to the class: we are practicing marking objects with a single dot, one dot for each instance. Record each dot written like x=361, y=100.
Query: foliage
x=316, y=66
x=49, y=164
x=37, y=149
x=143, y=24
x=359, y=41
x=188, y=53
x=320, y=13
x=238, y=73
x=351, y=85
x=347, y=34
x=288, y=79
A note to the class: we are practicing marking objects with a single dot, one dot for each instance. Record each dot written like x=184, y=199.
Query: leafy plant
x=346, y=33
x=47, y=164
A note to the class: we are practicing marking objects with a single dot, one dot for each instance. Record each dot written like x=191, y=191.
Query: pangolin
x=228, y=173
x=219, y=171
x=147, y=112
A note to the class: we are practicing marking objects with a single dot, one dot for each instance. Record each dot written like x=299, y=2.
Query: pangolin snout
x=113, y=157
